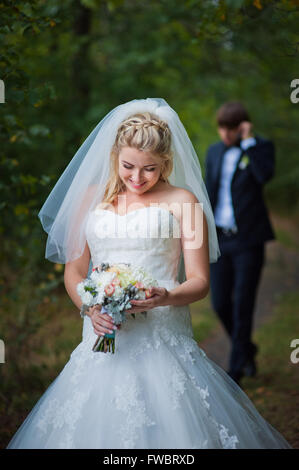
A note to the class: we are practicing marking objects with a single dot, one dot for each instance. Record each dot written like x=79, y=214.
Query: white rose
x=99, y=298
x=118, y=292
x=80, y=289
x=87, y=298
x=95, y=276
x=106, y=277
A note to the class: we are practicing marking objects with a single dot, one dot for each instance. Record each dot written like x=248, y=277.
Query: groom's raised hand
x=245, y=130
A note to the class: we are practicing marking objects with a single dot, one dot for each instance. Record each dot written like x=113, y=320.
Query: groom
x=237, y=167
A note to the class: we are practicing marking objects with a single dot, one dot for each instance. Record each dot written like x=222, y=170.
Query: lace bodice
x=148, y=237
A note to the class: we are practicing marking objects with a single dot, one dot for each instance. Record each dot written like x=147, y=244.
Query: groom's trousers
x=234, y=281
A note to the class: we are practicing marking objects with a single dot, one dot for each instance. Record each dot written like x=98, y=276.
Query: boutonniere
x=244, y=162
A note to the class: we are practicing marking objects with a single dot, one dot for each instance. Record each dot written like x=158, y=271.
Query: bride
x=134, y=193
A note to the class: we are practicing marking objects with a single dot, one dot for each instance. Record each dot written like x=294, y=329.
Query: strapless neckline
x=97, y=209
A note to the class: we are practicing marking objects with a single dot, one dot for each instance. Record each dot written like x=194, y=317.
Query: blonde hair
x=146, y=132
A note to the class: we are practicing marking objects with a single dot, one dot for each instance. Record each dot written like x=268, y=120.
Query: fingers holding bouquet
x=154, y=297
x=102, y=322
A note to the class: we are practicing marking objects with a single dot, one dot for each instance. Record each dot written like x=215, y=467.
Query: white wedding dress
x=159, y=390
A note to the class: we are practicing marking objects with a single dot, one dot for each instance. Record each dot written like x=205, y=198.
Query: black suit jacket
x=250, y=212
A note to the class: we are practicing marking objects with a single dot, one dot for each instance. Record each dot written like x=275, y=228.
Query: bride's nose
x=137, y=176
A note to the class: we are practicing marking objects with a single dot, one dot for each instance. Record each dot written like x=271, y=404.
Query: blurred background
x=66, y=64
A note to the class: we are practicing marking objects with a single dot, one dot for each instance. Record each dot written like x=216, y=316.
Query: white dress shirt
x=224, y=213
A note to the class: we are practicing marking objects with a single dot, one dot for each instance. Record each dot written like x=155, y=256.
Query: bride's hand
x=101, y=322
x=159, y=296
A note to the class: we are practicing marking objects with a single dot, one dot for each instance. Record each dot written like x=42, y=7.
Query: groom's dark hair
x=231, y=114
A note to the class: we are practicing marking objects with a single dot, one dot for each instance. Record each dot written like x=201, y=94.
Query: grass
x=286, y=238
x=286, y=230
x=275, y=389
x=204, y=320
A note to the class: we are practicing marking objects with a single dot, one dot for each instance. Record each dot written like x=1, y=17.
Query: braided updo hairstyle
x=146, y=132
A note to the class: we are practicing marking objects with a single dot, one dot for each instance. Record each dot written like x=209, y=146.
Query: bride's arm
x=74, y=272
x=195, y=247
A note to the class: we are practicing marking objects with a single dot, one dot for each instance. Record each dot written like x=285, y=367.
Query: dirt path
x=280, y=274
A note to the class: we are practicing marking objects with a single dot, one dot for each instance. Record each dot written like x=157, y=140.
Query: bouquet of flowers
x=113, y=286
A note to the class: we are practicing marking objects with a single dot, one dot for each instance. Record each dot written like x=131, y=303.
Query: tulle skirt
x=158, y=391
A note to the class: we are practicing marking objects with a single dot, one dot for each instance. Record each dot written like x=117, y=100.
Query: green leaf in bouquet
x=92, y=290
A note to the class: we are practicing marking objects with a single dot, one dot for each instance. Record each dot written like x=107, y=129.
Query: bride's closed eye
x=147, y=169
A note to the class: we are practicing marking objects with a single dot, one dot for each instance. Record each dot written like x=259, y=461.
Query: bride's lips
x=136, y=185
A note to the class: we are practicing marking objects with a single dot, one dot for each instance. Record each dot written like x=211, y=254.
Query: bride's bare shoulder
x=181, y=195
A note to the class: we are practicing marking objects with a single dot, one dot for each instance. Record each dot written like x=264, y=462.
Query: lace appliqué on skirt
x=127, y=398
x=58, y=414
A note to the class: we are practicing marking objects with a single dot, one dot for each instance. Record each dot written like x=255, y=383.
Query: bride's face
x=138, y=170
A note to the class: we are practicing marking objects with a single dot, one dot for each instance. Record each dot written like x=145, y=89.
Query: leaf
x=21, y=209
x=258, y=4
